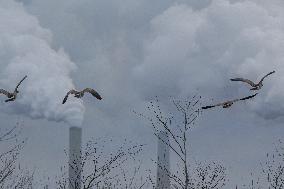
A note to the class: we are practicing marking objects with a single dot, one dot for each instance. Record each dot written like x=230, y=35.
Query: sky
x=133, y=50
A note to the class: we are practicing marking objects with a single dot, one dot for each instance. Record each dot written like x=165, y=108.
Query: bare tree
x=272, y=171
x=178, y=122
x=208, y=176
x=253, y=184
x=103, y=170
x=22, y=180
x=131, y=178
x=273, y=167
x=11, y=174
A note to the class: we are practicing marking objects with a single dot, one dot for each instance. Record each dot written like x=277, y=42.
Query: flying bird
x=12, y=95
x=229, y=103
x=80, y=94
x=255, y=86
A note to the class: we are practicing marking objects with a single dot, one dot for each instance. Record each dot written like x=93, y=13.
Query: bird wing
x=93, y=92
x=72, y=91
x=65, y=98
x=244, y=80
x=207, y=107
x=248, y=97
x=235, y=100
x=20, y=83
x=266, y=76
x=245, y=98
x=2, y=91
x=10, y=99
x=212, y=106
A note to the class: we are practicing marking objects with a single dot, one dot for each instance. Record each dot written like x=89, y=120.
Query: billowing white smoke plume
x=25, y=49
x=202, y=49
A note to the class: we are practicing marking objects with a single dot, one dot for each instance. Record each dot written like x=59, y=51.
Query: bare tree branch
x=177, y=123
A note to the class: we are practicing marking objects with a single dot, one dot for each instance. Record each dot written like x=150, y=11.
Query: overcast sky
x=133, y=50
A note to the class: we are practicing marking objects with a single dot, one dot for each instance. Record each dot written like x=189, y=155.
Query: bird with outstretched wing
x=255, y=86
x=72, y=91
x=12, y=95
x=80, y=94
x=16, y=89
x=228, y=103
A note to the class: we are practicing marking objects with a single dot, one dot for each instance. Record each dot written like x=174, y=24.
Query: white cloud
x=133, y=52
x=25, y=50
x=202, y=49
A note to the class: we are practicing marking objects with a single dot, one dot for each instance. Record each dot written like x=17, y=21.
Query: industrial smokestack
x=75, y=161
x=163, y=162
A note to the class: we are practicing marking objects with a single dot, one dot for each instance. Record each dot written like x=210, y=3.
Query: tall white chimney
x=75, y=161
x=163, y=161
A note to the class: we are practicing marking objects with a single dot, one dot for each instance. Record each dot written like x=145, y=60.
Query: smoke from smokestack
x=25, y=49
